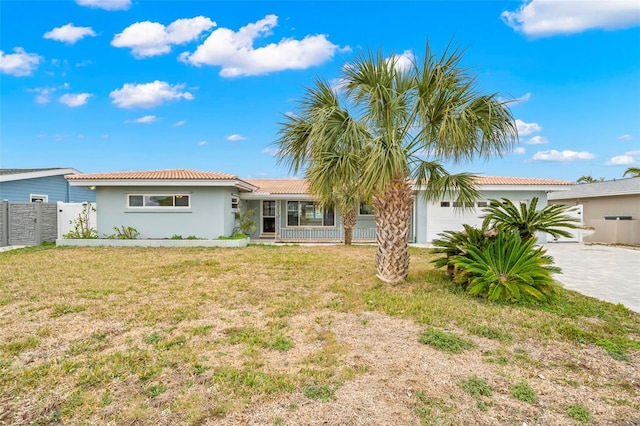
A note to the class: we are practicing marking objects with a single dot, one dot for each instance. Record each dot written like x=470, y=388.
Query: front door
x=268, y=217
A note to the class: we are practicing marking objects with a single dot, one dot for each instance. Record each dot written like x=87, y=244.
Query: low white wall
x=152, y=243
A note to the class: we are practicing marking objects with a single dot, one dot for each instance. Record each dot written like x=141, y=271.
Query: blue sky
x=119, y=85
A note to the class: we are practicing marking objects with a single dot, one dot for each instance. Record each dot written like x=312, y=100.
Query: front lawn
x=295, y=335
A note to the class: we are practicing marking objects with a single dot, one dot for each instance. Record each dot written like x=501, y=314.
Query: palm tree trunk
x=392, y=212
x=348, y=222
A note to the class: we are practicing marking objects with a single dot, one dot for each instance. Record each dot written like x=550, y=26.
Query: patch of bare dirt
x=397, y=367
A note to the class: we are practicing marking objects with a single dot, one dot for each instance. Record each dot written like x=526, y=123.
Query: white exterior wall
x=431, y=219
x=209, y=216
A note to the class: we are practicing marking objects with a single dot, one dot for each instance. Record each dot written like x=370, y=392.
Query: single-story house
x=164, y=203
x=611, y=207
x=46, y=185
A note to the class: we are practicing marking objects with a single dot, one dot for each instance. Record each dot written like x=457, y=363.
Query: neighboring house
x=46, y=185
x=611, y=207
x=165, y=203
x=204, y=204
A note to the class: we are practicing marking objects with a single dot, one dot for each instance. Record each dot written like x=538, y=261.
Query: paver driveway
x=604, y=272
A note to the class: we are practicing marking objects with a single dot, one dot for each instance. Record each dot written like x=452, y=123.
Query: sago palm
x=526, y=220
x=392, y=124
x=508, y=268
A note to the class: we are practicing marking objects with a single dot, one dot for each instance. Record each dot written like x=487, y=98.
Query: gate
x=27, y=224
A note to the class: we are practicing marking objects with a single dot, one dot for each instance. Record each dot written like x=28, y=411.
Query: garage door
x=447, y=216
x=576, y=235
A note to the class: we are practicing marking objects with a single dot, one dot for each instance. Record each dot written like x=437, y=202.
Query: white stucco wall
x=209, y=216
x=431, y=219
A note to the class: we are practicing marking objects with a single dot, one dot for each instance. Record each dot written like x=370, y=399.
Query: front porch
x=313, y=234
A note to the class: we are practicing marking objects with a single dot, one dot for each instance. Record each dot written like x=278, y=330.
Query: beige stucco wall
x=595, y=209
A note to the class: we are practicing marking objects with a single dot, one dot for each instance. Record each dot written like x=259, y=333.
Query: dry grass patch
x=295, y=335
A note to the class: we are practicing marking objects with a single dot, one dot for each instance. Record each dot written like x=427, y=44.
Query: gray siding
x=209, y=216
x=55, y=187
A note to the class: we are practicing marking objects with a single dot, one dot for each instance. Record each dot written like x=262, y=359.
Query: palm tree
x=401, y=123
x=527, y=220
x=326, y=141
x=586, y=179
x=632, y=172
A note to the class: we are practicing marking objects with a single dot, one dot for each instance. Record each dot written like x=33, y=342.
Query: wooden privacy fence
x=26, y=224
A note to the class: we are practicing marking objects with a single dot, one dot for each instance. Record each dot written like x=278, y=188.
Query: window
x=38, y=197
x=366, y=209
x=445, y=204
x=158, y=201
x=482, y=204
x=459, y=204
x=235, y=201
x=308, y=213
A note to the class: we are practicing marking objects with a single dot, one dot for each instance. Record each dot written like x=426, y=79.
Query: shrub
x=245, y=222
x=453, y=243
x=124, y=233
x=81, y=228
x=507, y=268
x=527, y=220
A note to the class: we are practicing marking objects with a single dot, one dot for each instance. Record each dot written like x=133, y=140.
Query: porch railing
x=318, y=234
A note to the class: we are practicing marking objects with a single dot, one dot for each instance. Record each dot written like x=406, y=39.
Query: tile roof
x=499, y=180
x=300, y=186
x=172, y=174
x=280, y=186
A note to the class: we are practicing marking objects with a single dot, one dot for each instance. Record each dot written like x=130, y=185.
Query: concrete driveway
x=604, y=272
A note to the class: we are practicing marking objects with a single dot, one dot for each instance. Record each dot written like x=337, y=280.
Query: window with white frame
x=39, y=197
x=308, y=213
x=235, y=202
x=139, y=201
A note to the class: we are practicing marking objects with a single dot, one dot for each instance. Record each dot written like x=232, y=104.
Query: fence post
x=38, y=230
x=4, y=223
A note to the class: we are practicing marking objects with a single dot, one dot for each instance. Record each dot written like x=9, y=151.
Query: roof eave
x=40, y=174
x=240, y=184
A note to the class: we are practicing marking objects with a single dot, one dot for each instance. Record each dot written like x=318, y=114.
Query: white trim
x=39, y=174
x=162, y=182
x=45, y=198
x=155, y=207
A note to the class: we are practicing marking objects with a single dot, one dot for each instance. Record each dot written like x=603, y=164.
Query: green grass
x=524, y=392
x=445, y=341
x=184, y=336
x=579, y=413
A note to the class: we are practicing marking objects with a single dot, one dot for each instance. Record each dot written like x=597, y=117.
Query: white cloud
x=271, y=151
x=403, y=62
x=147, y=119
x=179, y=123
x=629, y=158
x=626, y=137
x=148, y=95
x=516, y=101
x=520, y=150
x=236, y=54
x=550, y=17
x=235, y=137
x=525, y=129
x=43, y=94
x=20, y=63
x=74, y=99
x=537, y=140
x=106, y=4
x=563, y=156
x=69, y=34
x=152, y=38
x=203, y=143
